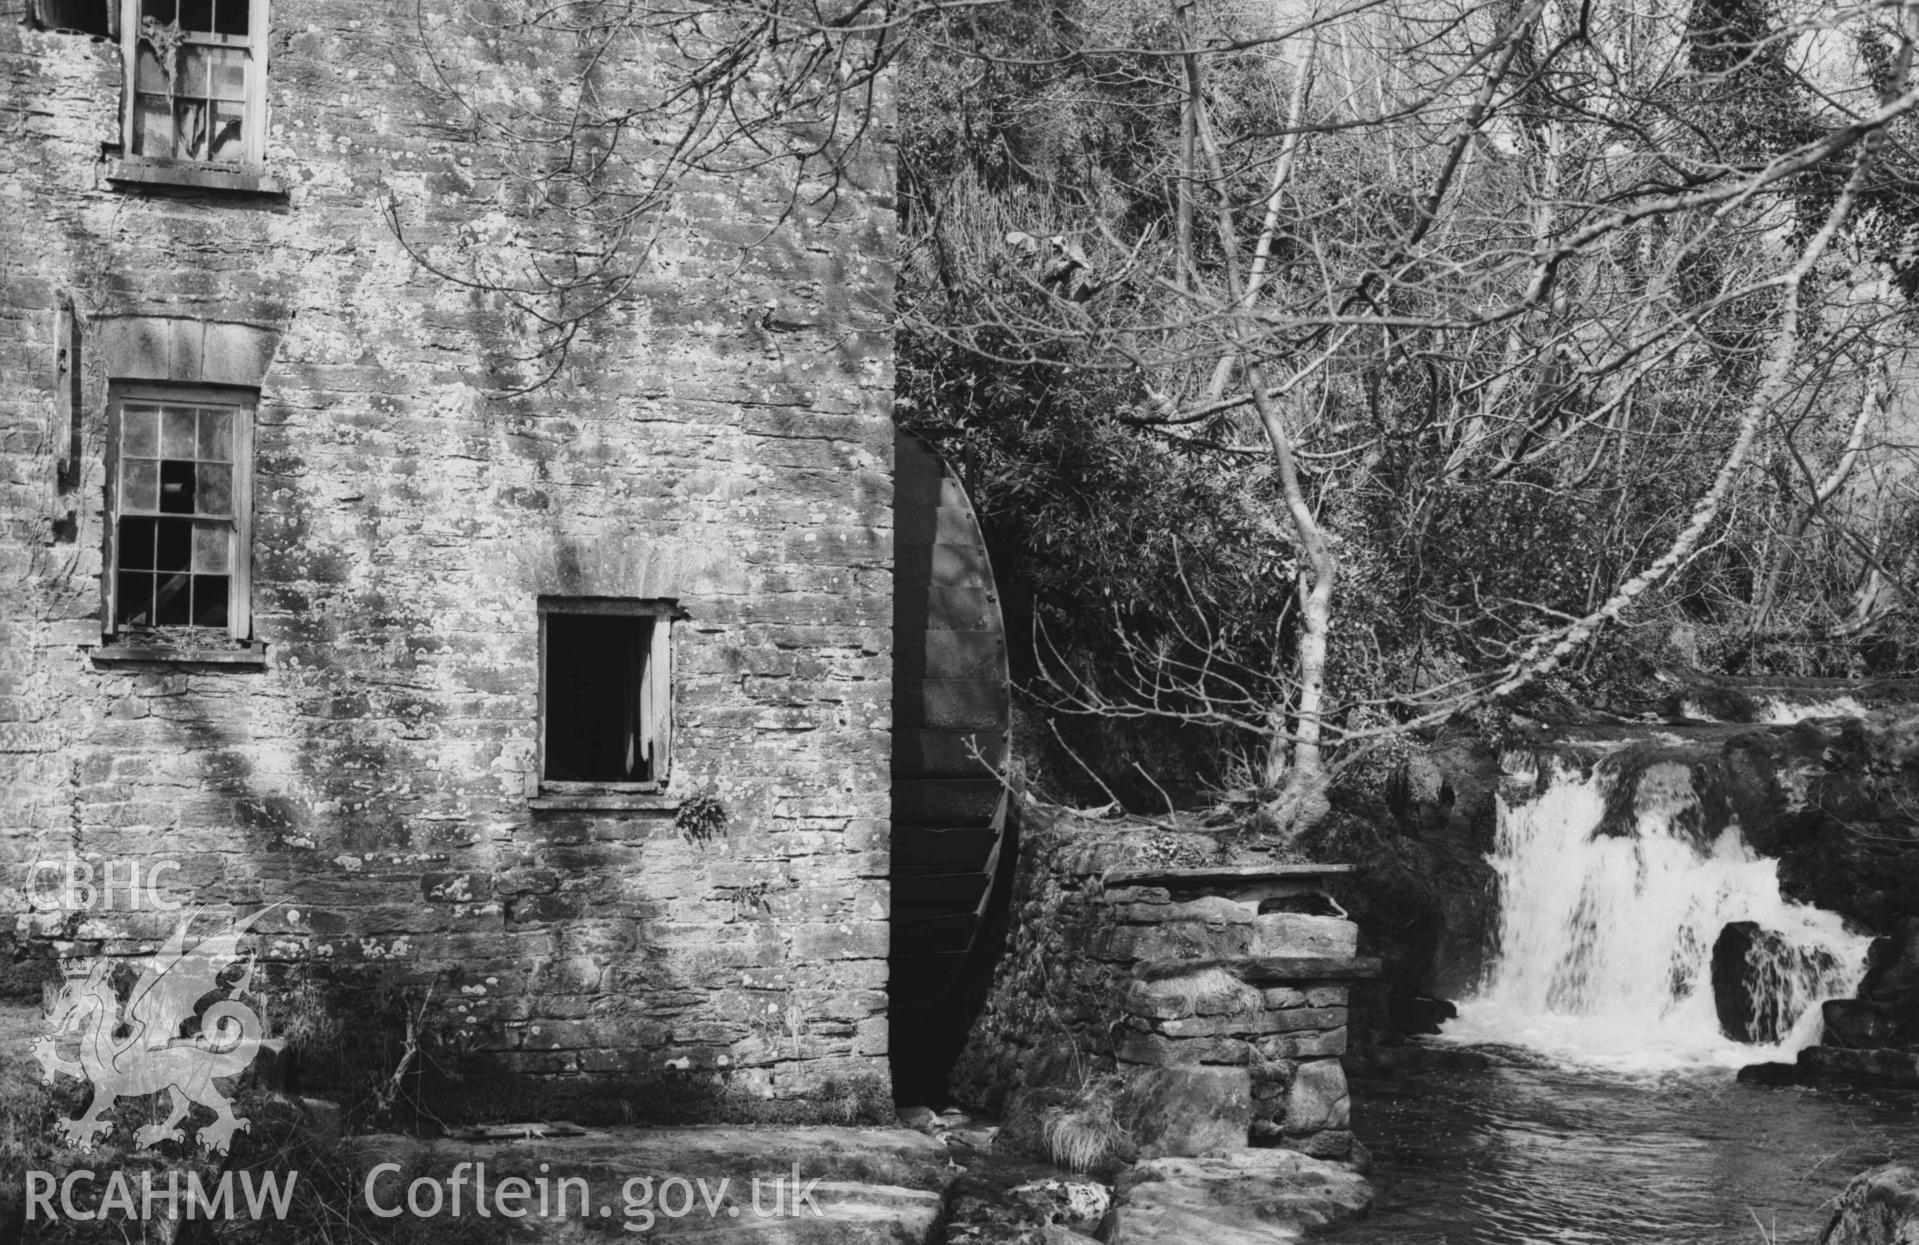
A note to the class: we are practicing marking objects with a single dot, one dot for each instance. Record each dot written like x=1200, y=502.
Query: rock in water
x=1417, y=1015
x=1759, y=981
x=1859, y=1067
x=1770, y=1074
x=1879, y=1207
x=1892, y=983
x=1855, y=1025
x=1732, y=979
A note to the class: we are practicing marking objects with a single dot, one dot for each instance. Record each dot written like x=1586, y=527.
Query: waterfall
x=1606, y=940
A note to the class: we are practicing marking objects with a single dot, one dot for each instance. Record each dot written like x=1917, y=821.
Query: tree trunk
x=1295, y=758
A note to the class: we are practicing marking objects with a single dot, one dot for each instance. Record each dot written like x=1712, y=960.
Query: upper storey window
x=196, y=81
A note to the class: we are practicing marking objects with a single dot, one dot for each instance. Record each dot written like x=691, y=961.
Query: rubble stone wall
x=374, y=775
x=1165, y=995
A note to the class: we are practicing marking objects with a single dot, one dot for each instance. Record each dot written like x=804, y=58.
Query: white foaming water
x=1778, y=711
x=1605, y=942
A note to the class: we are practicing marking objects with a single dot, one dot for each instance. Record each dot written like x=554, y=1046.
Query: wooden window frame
x=253, y=163
x=243, y=403
x=664, y=613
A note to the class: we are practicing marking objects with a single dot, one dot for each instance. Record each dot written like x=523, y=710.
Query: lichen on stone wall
x=374, y=773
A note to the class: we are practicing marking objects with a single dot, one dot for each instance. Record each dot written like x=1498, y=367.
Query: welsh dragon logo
x=140, y=1051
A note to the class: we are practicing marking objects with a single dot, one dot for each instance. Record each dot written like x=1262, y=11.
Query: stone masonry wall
x=374, y=777
x=1187, y=1003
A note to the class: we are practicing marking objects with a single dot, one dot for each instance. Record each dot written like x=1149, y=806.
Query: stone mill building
x=571, y=707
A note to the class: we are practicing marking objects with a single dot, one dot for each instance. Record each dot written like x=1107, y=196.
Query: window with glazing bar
x=179, y=488
x=196, y=80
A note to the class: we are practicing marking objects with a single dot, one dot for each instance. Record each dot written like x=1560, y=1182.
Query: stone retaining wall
x=1222, y=1024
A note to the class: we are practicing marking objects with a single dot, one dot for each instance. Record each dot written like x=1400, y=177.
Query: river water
x=1612, y=1114
x=1532, y=1152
